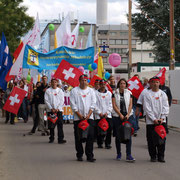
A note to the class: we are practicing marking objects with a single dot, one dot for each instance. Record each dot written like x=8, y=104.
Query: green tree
x=14, y=21
x=158, y=11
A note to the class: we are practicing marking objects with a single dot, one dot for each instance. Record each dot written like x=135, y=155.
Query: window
x=99, y=42
x=134, y=34
x=124, y=59
x=150, y=55
x=115, y=50
x=133, y=42
x=118, y=41
x=123, y=33
x=112, y=41
x=125, y=41
x=102, y=41
x=105, y=60
x=113, y=33
x=124, y=50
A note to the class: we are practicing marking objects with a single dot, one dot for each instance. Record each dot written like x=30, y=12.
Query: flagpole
x=129, y=40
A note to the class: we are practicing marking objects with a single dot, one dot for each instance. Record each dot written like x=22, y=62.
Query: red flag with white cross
x=161, y=75
x=14, y=100
x=68, y=73
x=135, y=86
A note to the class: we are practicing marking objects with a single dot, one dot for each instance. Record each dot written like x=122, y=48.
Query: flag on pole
x=135, y=86
x=162, y=76
x=14, y=100
x=63, y=33
x=33, y=38
x=100, y=65
x=74, y=36
x=89, y=42
x=5, y=60
x=68, y=73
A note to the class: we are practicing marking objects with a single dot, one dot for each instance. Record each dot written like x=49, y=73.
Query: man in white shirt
x=54, y=100
x=83, y=102
x=157, y=109
x=103, y=110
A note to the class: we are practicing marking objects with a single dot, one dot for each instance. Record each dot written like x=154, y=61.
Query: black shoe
x=12, y=123
x=6, y=122
x=43, y=134
x=153, y=160
x=79, y=159
x=91, y=160
x=135, y=134
x=30, y=133
x=100, y=146
x=108, y=147
x=161, y=160
x=47, y=132
x=62, y=142
x=51, y=141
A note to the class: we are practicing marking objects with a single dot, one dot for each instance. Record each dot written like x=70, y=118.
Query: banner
x=34, y=59
x=67, y=111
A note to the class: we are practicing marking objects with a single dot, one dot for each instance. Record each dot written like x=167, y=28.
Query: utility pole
x=172, y=49
x=129, y=39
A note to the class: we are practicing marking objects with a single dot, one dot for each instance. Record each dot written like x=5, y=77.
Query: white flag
x=89, y=42
x=33, y=38
x=63, y=33
x=74, y=36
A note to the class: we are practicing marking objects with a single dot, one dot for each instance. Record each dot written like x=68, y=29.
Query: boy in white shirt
x=54, y=100
x=157, y=109
x=83, y=102
x=103, y=110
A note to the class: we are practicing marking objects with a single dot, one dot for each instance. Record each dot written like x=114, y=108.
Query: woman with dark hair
x=122, y=105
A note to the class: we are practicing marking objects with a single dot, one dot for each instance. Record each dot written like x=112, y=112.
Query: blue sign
x=34, y=59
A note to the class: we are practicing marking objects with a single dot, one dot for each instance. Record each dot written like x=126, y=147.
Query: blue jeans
x=135, y=121
x=117, y=141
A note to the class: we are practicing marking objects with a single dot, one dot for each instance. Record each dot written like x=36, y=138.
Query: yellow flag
x=100, y=66
x=55, y=41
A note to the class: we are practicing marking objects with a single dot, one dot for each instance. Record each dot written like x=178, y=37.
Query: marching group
x=93, y=105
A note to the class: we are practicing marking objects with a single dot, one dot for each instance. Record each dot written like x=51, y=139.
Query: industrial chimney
x=101, y=12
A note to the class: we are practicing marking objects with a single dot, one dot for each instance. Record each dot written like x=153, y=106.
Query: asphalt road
x=33, y=158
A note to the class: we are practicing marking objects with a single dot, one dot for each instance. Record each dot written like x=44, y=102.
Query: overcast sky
x=85, y=10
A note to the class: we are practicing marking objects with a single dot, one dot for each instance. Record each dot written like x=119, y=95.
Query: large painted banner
x=34, y=59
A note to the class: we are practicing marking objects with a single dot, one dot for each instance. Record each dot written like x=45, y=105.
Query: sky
x=84, y=10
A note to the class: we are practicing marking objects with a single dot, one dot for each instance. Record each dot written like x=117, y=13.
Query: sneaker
x=153, y=160
x=100, y=146
x=118, y=158
x=91, y=159
x=130, y=159
x=108, y=147
x=61, y=141
x=79, y=159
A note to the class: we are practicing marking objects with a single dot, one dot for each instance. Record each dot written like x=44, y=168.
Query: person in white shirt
x=157, y=109
x=103, y=110
x=140, y=100
x=54, y=100
x=83, y=102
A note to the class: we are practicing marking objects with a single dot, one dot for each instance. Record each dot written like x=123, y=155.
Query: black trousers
x=155, y=151
x=59, y=124
x=10, y=116
x=35, y=118
x=107, y=136
x=89, y=140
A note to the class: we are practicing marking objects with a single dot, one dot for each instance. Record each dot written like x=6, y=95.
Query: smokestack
x=101, y=12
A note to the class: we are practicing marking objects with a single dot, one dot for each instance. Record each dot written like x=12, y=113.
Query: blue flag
x=5, y=62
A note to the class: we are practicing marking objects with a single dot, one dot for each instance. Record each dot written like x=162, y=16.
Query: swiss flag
x=135, y=86
x=14, y=100
x=68, y=73
x=161, y=75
